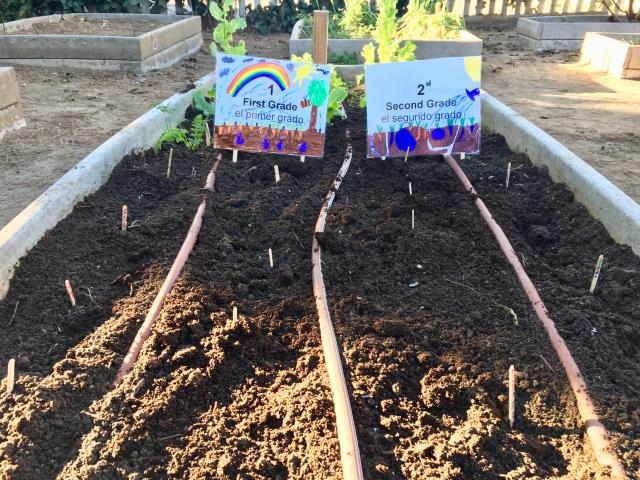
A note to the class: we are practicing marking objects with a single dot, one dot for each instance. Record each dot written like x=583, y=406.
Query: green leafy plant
x=278, y=18
x=344, y=59
x=337, y=90
x=357, y=19
x=388, y=45
x=226, y=27
x=203, y=102
x=424, y=20
x=192, y=139
x=335, y=25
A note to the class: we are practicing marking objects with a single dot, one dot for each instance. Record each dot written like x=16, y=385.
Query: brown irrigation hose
x=349, y=452
x=596, y=431
x=167, y=285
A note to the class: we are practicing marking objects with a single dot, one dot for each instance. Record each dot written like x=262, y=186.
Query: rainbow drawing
x=272, y=71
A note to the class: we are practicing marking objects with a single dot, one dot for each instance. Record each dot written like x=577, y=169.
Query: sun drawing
x=473, y=67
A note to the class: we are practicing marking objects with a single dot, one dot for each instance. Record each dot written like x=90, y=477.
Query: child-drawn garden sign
x=424, y=107
x=271, y=106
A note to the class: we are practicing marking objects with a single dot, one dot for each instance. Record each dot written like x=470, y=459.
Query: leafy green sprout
x=226, y=27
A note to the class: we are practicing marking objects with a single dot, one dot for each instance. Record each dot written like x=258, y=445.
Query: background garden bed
x=615, y=53
x=103, y=41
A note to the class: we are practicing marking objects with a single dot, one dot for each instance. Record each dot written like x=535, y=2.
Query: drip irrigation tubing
x=596, y=431
x=347, y=437
x=181, y=259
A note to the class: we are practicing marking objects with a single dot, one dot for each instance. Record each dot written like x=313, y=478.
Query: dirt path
x=592, y=114
x=70, y=113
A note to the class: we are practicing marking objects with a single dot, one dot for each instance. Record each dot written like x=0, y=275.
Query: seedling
x=72, y=297
x=11, y=376
x=596, y=274
x=506, y=184
x=124, y=217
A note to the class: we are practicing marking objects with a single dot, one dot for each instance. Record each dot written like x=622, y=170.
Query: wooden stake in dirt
x=410, y=189
x=235, y=314
x=406, y=154
x=277, y=171
x=302, y=157
x=125, y=212
x=512, y=395
x=506, y=184
x=462, y=155
x=169, y=163
x=11, y=376
x=72, y=297
x=270, y=258
x=320, y=36
x=413, y=219
x=234, y=158
x=596, y=274
x=207, y=135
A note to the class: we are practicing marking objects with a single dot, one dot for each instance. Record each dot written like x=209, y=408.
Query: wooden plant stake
x=169, y=163
x=11, y=376
x=596, y=274
x=207, y=135
x=302, y=157
x=508, y=175
x=270, y=258
x=413, y=219
x=72, y=297
x=512, y=395
x=277, y=171
x=235, y=314
x=234, y=158
x=125, y=212
x=462, y=155
x=410, y=190
x=406, y=154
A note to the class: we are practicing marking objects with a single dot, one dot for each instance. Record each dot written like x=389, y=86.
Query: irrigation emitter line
x=347, y=437
x=187, y=246
x=596, y=431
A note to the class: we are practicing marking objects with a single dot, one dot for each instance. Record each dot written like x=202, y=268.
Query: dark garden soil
x=422, y=316
x=81, y=26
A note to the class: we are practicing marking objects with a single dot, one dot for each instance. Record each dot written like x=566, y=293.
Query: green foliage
x=201, y=102
x=335, y=27
x=337, y=90
x=344, y=59
x=357, y=19
x=422, y=21
x=192, y=139
x=278, y=18
x=386, y=35
x=226, y=27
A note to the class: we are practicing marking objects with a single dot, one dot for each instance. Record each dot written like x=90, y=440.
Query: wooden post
x=11, y=376
x=512, y=395
x=320, y=36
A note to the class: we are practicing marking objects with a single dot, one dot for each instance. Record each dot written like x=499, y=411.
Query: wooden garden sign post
x=271, y=106
x=426, y=107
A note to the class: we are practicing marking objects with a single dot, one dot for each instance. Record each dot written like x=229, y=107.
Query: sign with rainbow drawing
x=271, y=106
x=425, y=107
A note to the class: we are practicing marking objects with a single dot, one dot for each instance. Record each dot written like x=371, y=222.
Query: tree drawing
x=317, y=93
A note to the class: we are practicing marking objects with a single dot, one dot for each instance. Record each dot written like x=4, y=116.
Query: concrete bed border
x=606, y=202
x=86, y=177
x=616, y=210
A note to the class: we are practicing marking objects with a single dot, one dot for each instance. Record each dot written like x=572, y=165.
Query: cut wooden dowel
x=410, y=189
x=235, y=314
x=72, y=297
x=11, y=376
x=596, y=274
x=302, y=158
x=512, y=395
x=234, y=158
x=383, y=157
x=506, y=183
x=125, y=212
x=169, y=163
x=413, y=219
x=406, y=154
x=462, y=155
x=270, y=258
x=277, y=172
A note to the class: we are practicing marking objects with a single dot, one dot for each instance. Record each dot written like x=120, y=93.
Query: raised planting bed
x=428, y=320
x=467, y=45
x=615, y=53
x=567, y=32
x=100, y=41
x=10, y=105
